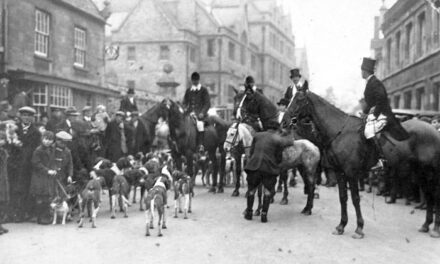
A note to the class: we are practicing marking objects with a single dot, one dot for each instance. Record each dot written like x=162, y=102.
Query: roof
x=117, y=5
x=87, y=6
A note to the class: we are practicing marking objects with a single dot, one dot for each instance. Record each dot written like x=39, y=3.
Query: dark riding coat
x=266, y=152
x=287, y=96
x=376, y=96
x=127, y=106
x=197, y=101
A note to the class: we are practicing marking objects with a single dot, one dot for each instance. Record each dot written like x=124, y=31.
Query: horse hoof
x=358, y=235
x=257, y=213
x=147, y=234
x=185, y=217
x=279, y=189
x=175, y=216
x=264, y=218
x=424, y=229
x=306, y=211
x=164, y=227
x=189, y=211
x=212, y=190
x=141, y=209
x=93, y=226
x=125, y=216
x=220, y=190
x=235, y=193
x=391, y=201
x=159, y=235
x=180, y=211
x=284, y=201
x=435, y=233
x=316, y=196
x=151, y=227
x=80, y=226
x=112, y=217
x=339, y=231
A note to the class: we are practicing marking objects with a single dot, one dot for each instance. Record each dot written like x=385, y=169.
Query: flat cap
x=71, y=111
x=63, y=135
x=87, y=108
x=27, y=109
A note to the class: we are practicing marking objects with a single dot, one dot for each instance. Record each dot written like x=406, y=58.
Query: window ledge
x=41, y=57
x=79, y=68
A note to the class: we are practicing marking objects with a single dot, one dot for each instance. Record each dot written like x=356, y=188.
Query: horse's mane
x=327, y=103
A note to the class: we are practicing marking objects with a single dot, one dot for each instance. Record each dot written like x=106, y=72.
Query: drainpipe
x=219, y=93
x=4, y=79
x=263, y=29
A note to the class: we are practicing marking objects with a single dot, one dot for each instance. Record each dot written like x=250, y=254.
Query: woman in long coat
x=4, y=184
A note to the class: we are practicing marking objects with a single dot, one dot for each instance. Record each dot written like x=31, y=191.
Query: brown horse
x=183, y=141
x=348, y=152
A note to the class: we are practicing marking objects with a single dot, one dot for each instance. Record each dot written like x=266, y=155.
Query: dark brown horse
x=348, y=152
x=145, y=131
x=183, y=141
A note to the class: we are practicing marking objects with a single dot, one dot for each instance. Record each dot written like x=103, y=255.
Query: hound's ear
x=235, y=90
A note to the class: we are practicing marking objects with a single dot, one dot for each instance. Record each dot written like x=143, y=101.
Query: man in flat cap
x=379, y=112
x=197, y=103
x=30, y=137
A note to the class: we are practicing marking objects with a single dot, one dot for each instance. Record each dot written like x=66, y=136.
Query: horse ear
x=235, y=90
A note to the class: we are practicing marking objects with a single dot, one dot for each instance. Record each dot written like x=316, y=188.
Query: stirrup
x=380, y=165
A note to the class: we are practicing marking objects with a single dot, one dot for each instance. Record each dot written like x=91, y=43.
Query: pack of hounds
x=153, y=174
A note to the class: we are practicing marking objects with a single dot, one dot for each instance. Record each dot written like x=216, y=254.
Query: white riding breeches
x=374, y=125
x=200, y=126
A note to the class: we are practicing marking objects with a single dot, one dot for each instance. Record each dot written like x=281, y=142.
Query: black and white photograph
x=219, y=131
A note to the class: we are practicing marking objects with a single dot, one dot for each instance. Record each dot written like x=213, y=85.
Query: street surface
x=216, y=232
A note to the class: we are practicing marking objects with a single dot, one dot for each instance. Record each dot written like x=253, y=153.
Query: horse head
x=299, y=109
x=231, y=137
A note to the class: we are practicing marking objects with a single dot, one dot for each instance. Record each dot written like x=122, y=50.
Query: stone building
x=53, y=52
x=411, y=55
x=161, y=42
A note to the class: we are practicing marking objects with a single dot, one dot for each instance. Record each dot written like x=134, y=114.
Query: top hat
x=130, y=91
x=249, y=80
x=27, y=109
x=368, y=65
x=71, y=111
x=295, y=73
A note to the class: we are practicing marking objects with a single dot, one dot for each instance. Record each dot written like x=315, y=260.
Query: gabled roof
x=117, y=5
x=87, y=6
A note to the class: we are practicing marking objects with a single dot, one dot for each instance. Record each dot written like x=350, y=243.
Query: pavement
x=216, y=232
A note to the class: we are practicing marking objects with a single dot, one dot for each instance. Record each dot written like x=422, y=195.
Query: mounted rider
x=378, y=111
x=297, y=84
x=259, y=110
x=197, y=103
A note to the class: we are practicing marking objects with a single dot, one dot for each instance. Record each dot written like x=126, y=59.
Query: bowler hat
x=27, y=109
x=120, y=113
x=71, y=111
x=130, y=91
x=63, y=135
x=295, y=73
x=368, y=65
x=249, y=80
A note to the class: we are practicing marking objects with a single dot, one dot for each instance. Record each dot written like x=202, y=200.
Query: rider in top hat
x=128, y=103
x=378, y=110
x=296, y=85
x=197, y=102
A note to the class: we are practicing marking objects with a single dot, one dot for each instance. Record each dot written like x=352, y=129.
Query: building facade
x=223, y=40
x=411, y=55
x=53, y=53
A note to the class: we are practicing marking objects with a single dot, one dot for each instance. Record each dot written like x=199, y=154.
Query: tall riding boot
x=266, y=203
x=250, y=204
x=381, y=157
x=200, y=140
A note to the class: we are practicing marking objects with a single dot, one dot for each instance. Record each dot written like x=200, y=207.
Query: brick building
x=54, y=52
x=411, y=55
x=164, y=41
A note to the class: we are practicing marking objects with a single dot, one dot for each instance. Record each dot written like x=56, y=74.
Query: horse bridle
x=234, y=139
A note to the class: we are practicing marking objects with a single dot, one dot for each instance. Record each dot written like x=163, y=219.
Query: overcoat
x=4, y=182
x=197, y=101
x=43, y=160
